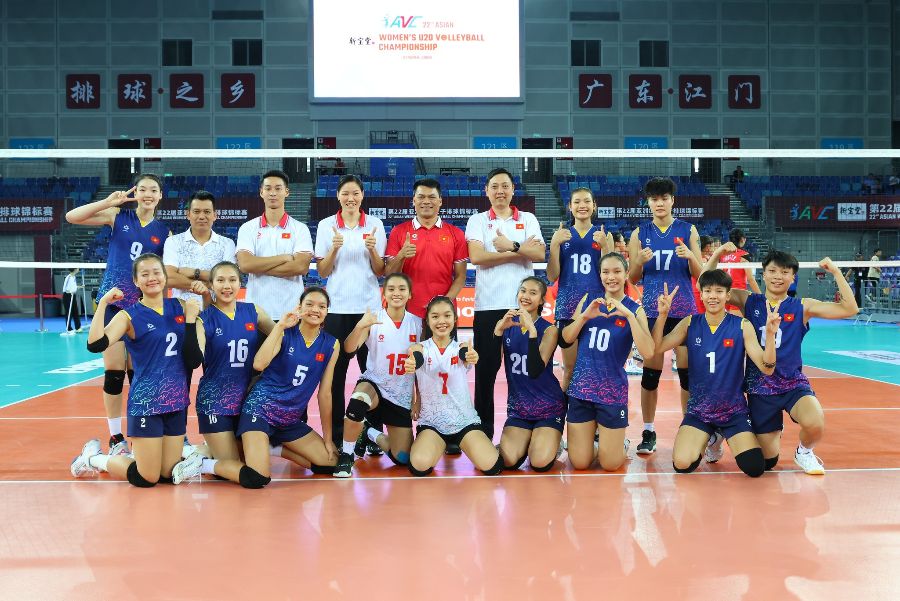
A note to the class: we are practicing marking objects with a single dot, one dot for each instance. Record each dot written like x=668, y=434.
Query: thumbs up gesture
x=502, y=243
x=563, y=234
x=369, y=240
x=337, y=239
x=471, y=356
x=409, y=249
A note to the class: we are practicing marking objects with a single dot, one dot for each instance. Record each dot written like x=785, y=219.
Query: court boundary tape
x=843, y=373
x=46, y=392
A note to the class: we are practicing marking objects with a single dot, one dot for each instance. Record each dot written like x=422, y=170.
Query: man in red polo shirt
x=431, y=252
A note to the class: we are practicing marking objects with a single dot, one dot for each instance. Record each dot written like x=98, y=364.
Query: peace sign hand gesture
x=773, y=320
x=664, y=302
x=119, y=197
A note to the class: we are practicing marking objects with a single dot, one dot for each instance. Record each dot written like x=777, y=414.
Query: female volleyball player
x=604, y=329
x=447, y=415
x=350, y=253
x=385, y=383
x=787, y=390
x=295, y=358
x=717, y=343
x=134, y=232
x=575, y=253
x=165, y=341
x=536, y=407
x=232, y=338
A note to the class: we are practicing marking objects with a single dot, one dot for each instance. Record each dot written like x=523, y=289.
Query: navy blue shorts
x=213, y=424
x=450, y=439
x=671, y=322
x=765, y=409
x=390, y=413
x=277, y=436
x=608, y=416
x=111, y=311
x=739, y=422
x=159, y=425
x=530, y=424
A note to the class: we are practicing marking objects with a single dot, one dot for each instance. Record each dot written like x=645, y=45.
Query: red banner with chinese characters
x=24, y=215
x=854, y=212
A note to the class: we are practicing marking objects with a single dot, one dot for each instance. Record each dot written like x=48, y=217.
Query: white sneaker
x=635, y=354
x=627, y=444
x=632, y=368
x=79, y=330
x=187, y=469
x=562, y=447
x=674, y=363
x=120, y=448
x=714, y=450
x=68, y=333
x=81, y=465
x=809, y=463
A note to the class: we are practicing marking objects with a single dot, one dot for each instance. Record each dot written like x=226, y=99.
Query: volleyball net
x=811, y=203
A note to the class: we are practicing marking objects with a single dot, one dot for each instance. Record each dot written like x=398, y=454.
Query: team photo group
x=171, y=302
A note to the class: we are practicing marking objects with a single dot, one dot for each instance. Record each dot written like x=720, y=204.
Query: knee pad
x=650, y=379
x=415, y=472
x=321, y=469
x=165, y=480
x=359, y=405
x=250, y=478
x=517, y=464
x=752, y=462
x=402, y=459
x=130, y=373
x=113, y=381
x=136, y=479
x=689, y=468
x=496, y=469
x=543, y=468
x=771, y=463
x=683, y=377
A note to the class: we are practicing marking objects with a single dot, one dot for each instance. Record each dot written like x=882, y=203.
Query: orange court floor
x=641, y=532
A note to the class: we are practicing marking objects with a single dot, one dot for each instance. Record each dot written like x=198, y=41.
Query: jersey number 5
x=299, y=375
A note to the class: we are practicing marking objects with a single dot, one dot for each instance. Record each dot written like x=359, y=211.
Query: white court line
x=304, y=480
x=49, y=391
x=834, y=371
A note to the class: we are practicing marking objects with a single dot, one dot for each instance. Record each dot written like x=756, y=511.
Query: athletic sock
x=101, y=462
x=115, y=425
x=801, y=450
x=347, y=446
x=372, y=434
x=649, y=427
x=275, y=451
x=208, y=466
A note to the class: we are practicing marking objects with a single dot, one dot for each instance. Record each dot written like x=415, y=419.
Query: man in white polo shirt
x=190, y=255
x=503, y=243
x=275, y=250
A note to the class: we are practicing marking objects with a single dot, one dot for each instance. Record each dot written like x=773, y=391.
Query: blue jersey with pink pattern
x=789, y=363
x=231, y=343
x=536, y=399
x=603, y=346
x=716, y=368
x=160, y=379
x=282, y=393
x=579, y=272
x=666, y=267
x=129, y=240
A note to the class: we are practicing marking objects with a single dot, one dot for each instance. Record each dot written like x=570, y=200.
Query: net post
x=41, y=329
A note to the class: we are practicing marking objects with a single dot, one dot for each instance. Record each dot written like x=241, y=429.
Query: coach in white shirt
x=275, y=250
x=350, y=253
x=503, y=243
x=190, y=255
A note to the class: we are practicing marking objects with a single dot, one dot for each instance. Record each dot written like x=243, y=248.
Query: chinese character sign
x=135, y=91
x=645, y=91
x=595, y=91
x=695, y=91
x=186, y=90
x=744, y=92
x=83, y=91
x=238, y=90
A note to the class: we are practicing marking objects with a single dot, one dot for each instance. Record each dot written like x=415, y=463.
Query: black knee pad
x=113, y=381
x=752, y=462
x=650, y=379
x=165, y=480
x=689, y=468
x=683, y=377
x=250, y=478
x=415, y=472
x=130, y=373
x=356, y=410
x=517, y=464
x=543, y=468
x=396, y=460
x=136, y=479
x=498, y=467
x=771, y=462
x=321, y=469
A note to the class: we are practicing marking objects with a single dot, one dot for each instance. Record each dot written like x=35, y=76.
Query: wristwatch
x=516, y=247
x=196, y=274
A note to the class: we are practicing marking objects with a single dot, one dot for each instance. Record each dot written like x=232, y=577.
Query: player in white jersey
x=384, y=385
x=447, y=415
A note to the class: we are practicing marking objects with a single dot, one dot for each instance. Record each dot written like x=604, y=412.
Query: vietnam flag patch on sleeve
x=620, y=323
x=679, y=240
x=154, y=239
x=728, y=342
x=250, y=326
x=286, y=236
x=412, y=337
x=520, y=226
x=789, y=317
x=179, y=319
x=454, y=360
x=320, y=356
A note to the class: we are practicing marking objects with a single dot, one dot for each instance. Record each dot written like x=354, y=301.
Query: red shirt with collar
x=432, y=271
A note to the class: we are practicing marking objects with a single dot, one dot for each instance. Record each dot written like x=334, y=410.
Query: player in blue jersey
x=446, y=415
x=575, y=253
x=717, y=342
x=384, y=385
x=787, y=390
x=297, y=357
x=134, y=232
x=663, y=250
x=536, y=407
x=165, y=340
x=604, y=329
